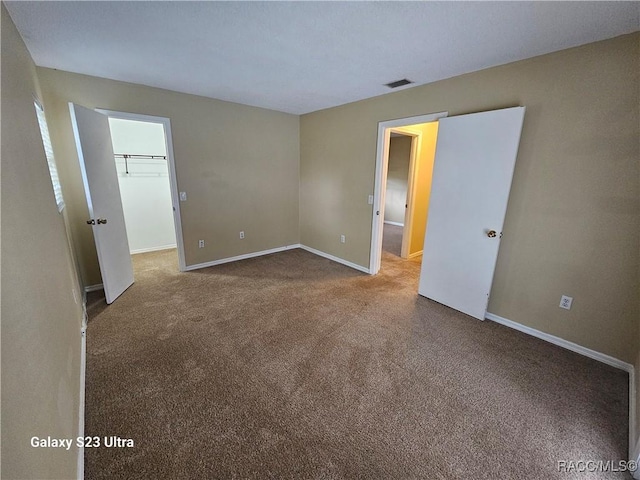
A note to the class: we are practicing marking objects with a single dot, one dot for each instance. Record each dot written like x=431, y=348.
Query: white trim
x=561, y=342
x=93, y=288
x=634, y=443
x=382, y=155
x=635, y=456
x=634, y=450
x=276, y=250
x=173, y=178
x=415, y=254
x=240, y=257
x=335, y=259
x=153, y=249
x=83, y=368
x=397, y=224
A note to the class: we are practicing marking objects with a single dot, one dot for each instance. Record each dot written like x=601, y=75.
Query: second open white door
x=474, y=164
x=95, y=152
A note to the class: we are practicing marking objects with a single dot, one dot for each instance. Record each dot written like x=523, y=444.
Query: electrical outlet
x=343, y=239
x=565, y=302
x=200, y=243
x=241, y=235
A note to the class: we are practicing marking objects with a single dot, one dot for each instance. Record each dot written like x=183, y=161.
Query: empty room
x=320, y=240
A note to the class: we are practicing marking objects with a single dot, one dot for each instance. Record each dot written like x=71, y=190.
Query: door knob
x=91, y=222
x=490, y=233
x=104, y=220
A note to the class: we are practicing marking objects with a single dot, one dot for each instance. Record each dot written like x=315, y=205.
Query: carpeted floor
x=392, y=239
x=293, y=366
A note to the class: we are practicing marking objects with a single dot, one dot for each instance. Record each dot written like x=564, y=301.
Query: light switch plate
x=183, y=196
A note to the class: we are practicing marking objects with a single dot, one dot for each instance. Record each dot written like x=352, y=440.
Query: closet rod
x=130, y=155
x=127, y=156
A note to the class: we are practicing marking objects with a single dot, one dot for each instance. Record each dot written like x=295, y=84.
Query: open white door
x=474, y=163
x=95, y=152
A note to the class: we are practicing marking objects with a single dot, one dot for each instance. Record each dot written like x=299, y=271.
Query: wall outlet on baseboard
x=343, y=239
x=565, y=302
x=241, y=235
x=200, y=243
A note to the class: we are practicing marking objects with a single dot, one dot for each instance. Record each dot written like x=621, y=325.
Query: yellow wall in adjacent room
x=423, y=174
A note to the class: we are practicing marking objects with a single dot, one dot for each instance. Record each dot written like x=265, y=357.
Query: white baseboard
x=397, y=224
x=634, y=445
x=83, y=367
x=93, y=288
x=561, y=342
x=153, y=249
x=240, y=257
x=415, y=254
x=276, y=250
x=335, y=259
x=636, y=457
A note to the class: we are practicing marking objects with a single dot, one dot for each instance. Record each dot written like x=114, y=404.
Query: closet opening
x=146, y=177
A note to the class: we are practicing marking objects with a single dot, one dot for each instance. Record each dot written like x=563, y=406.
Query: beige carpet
x=392, y=239
x=292, y=366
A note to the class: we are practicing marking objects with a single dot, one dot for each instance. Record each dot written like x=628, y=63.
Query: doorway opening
x=406, y=151
x=143, y=156
x=402, y=157
x=472, y=174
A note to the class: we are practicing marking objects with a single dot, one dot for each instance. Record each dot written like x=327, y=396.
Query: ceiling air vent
x=398, y=83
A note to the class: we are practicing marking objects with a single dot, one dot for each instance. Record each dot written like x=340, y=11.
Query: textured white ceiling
x=299, y=57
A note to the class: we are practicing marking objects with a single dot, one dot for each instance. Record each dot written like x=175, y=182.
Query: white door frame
x=382, y=164
x=173, y=182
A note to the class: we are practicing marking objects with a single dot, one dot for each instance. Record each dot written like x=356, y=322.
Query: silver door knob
x=104, y=220
x=490, y=233
x=91, y=222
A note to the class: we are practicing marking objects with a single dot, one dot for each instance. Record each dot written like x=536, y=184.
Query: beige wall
x=397, y=179
x=238, y=165
x=572, y=225
x=41, y=322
